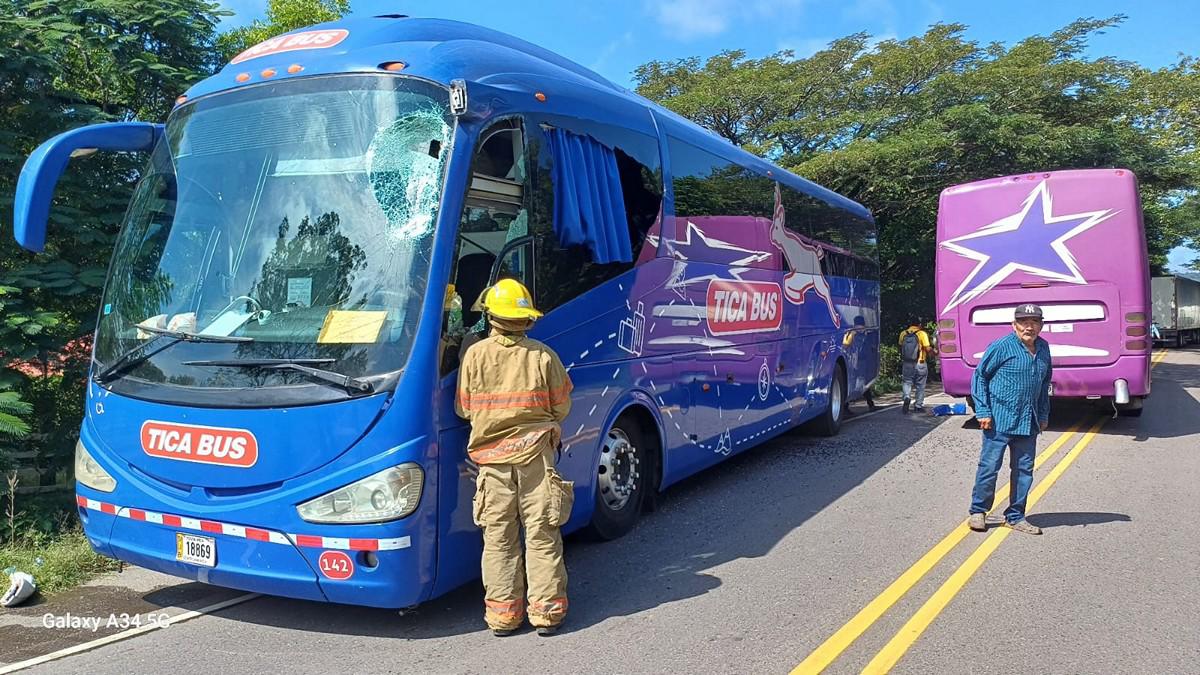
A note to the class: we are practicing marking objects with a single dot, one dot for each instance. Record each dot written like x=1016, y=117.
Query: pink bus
x=1070, y=241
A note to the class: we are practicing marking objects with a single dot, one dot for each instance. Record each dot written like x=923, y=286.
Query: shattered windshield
x=299, y=215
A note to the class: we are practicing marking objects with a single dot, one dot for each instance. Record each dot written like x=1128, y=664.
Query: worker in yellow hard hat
x=516, y=393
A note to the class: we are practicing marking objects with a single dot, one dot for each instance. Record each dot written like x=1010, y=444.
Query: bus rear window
x=1087, y=311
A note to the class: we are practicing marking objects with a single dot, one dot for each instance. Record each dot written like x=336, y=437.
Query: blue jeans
x=1020, y=461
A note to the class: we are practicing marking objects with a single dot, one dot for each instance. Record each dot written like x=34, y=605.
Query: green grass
x=67, y=561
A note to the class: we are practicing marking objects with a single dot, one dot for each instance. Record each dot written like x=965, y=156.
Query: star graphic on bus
x=1033, y=240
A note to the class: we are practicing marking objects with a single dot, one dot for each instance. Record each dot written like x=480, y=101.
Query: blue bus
x=270, y=400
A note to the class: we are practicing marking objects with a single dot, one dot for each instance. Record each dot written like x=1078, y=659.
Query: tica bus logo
x=192, y=443
x=311, y=39
x=743, y=307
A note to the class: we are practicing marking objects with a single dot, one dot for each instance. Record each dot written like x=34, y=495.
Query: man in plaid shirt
x=1011, y=388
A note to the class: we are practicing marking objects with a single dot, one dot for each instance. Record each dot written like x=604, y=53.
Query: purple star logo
x=1032, y=240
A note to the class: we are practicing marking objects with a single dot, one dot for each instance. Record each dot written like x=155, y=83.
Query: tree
x=894, y=124
x=282, y=16
x=64, y=64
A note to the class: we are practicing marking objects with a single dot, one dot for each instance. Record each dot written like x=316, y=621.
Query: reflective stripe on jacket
x=515, y=393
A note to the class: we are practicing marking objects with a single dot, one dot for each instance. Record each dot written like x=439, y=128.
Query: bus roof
x=441, y=51
x=1034, y=176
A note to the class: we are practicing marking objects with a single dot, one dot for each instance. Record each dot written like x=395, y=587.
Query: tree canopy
x=891, y=124
x=65, y=64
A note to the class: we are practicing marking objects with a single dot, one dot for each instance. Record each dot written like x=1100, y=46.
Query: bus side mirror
x=39, y=176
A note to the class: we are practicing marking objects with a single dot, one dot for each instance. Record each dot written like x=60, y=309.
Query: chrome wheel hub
x=618, y=470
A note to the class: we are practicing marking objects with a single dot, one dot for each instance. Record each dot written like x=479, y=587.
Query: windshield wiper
x=163, y=338
x=351, y=384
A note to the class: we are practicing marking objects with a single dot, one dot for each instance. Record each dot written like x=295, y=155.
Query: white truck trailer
x=1176, y=303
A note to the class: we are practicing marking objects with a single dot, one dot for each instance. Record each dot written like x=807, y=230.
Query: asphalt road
x=845, y=554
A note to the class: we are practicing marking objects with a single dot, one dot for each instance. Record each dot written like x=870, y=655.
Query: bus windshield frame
x=296, y=220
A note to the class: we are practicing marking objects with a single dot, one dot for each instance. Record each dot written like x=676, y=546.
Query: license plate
x=190, y=548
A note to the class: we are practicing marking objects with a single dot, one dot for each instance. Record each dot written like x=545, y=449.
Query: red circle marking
x=336, y=565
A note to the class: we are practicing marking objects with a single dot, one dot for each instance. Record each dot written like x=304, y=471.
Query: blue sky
x=613, y=37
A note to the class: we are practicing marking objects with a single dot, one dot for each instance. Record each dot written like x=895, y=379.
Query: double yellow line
x=900, y=643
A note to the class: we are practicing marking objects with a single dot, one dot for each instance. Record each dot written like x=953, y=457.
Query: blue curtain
x=589, y=207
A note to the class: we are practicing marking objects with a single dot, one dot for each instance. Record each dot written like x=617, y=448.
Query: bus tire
x=830, y=422
x=621, y=480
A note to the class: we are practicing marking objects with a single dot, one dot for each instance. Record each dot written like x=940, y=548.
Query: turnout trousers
x=532, y=498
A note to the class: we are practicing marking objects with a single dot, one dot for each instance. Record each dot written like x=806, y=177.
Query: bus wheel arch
x=628, y=471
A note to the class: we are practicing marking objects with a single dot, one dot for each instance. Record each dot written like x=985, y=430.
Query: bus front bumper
x=367, y=572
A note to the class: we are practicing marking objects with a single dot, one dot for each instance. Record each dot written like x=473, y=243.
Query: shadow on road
x=1076, y=518
x=739, y=509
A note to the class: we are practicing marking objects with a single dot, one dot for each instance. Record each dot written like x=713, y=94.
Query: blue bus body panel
x=303, y=453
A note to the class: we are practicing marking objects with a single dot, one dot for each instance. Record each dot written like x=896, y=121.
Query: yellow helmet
x=509, y=299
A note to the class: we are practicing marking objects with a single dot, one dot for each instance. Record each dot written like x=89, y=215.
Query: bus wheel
x=830, y=422
x=620, y=481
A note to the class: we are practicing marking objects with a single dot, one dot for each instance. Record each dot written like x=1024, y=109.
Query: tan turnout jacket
x=515, y=393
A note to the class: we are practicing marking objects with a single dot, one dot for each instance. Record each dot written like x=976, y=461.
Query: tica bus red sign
x=309, y=39
x=193, y=443
x=744, y=307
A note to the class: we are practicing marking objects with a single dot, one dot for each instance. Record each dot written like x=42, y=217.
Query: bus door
x=492, y=243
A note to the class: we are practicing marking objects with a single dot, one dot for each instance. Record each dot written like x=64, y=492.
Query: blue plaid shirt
x=1012, y=386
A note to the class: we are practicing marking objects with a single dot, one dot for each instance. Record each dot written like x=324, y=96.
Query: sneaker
x=905, y=408
x=503, y=632
x=871, y=406
x=977, y=522
x=546, y=631
x=919, y=408
x=1024, y=527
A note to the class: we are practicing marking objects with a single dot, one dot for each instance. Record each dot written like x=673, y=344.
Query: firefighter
x=515, y=393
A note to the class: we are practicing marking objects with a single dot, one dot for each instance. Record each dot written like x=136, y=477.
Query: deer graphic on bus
x=803, y=262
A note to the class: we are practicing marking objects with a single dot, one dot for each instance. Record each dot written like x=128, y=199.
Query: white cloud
x=688, y=19
x=601, y=60
x=694, y=18
x=881, y=11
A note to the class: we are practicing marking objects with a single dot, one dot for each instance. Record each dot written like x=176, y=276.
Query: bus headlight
x=91, y=474
x=390, y=494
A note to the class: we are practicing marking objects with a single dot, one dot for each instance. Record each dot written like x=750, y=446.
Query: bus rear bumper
x=1069, y=381
x=256, y=560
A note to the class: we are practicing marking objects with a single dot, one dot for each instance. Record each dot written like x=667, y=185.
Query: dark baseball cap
x=1027, y=312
